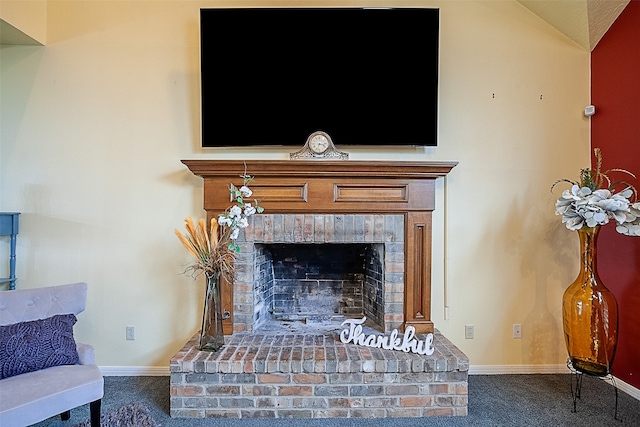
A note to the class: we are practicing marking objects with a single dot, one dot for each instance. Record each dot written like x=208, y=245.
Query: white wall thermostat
x=589, y=110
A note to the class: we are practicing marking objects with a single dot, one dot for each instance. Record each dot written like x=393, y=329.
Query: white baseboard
x=544, y=369
x=160, y=371
x=134, y=371
x=517, y=369
x=628, y=388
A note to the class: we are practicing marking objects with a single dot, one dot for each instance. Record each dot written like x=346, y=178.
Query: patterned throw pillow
x=35, y=345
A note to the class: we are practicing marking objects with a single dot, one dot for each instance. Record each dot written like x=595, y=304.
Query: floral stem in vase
x=214, y=249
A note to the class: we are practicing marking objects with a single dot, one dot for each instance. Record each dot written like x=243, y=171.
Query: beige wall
x=94, y=126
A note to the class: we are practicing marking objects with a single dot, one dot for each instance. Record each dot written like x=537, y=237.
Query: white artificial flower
x=587, y=205
x=628, y=229
x=249, y=210
x=223, y=220
x=576, y=193
x=234, y=233
x=563, y=204
x=631, y=227
x=616, y=205
x=206, y=248
x=595, y=217
x=235, y=212
x=580, y=207
x=574, y=223
x=245, y=191
x=626, y=193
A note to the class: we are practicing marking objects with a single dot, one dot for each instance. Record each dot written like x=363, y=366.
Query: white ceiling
x=583, y=21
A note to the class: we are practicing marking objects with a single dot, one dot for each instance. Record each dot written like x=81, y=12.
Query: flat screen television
x=273, y=76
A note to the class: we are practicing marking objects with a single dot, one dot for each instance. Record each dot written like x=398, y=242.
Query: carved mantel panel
x=327, y=186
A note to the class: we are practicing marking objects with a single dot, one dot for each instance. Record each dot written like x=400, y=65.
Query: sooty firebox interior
x=315, y=284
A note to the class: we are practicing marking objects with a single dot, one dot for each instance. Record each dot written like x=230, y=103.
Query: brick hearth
x=307, y=375
x=304, y=371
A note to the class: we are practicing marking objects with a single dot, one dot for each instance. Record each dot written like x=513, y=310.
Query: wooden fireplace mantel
x=344, y=186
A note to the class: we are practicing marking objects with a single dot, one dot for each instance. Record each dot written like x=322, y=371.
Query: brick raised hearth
x=316, y=376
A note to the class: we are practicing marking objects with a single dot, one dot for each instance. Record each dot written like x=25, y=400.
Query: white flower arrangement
x=236, y=217
x=588, y=204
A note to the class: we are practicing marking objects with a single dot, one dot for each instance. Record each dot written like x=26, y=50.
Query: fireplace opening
x=318, y=285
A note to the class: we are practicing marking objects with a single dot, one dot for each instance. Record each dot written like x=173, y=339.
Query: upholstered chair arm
x=86, y=354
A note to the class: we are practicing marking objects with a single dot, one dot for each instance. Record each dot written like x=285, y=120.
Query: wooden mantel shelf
x=345, y=168
x=344, y=186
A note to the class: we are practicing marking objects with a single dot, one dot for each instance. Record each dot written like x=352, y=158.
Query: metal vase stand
x=576, y=386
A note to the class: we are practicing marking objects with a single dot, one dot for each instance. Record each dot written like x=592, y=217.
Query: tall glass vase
x=590, y=313
x=211, y=334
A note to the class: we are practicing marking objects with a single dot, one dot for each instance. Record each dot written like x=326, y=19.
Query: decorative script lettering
x=406, y=343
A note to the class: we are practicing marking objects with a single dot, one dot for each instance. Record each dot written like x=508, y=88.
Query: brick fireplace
x=338, y=239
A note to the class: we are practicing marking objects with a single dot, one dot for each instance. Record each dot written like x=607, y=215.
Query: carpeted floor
x=494, y=400
x=132, y=414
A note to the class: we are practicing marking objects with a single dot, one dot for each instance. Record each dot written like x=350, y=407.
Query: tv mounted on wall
x=273, y=76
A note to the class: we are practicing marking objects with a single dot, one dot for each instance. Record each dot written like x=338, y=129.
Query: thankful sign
x=407, y=343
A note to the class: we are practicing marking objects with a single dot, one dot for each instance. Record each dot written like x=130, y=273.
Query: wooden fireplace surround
x=334, y=187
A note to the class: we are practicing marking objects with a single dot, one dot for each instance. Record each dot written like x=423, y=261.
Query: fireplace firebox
x=319, y=283
x=325, y=278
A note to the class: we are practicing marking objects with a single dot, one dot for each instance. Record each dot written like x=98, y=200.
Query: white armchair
x=40, y=374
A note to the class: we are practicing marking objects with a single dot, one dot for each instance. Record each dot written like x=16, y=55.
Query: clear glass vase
x=590, y=313
x=211, y=334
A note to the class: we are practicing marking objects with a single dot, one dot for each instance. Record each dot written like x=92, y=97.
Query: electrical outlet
x=131, y=332
x=468, y=332
x=517, y=331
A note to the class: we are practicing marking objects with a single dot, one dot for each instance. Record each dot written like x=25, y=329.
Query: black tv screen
x=273, y=76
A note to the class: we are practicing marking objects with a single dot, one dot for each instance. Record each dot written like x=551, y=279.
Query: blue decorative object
x=9, y=227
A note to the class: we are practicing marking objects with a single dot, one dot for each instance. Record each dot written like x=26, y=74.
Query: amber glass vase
x=211, y=334
x=590, y=313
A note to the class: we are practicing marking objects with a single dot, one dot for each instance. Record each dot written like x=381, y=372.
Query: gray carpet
x=132, y=414
x=494, y=400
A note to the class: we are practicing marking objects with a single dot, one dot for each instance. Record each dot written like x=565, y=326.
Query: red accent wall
x=615, y=129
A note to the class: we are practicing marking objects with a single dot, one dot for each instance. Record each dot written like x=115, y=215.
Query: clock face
x=319, y=144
